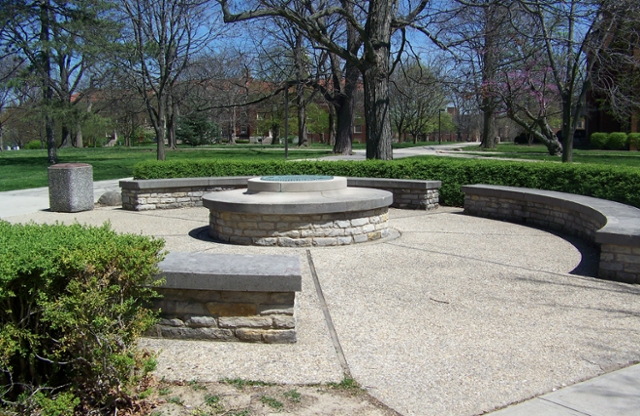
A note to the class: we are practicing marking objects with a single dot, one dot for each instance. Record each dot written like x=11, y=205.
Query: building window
x=357, y=129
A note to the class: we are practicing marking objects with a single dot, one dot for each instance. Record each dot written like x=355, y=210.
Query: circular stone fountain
x=298, y=211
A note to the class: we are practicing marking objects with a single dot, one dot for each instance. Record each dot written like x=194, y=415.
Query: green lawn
x=539, y=152
x=28, y=168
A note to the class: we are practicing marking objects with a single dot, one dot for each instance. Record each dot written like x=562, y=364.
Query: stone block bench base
x=228, y=297
x=149, y=194
x=613, y=227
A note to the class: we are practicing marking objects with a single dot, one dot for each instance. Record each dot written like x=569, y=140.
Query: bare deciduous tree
x=375, y=21
x=163, y=35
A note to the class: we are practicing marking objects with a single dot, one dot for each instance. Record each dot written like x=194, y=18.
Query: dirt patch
x=249, y=398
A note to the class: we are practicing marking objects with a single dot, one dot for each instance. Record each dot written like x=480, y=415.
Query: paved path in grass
x=447, y=150
x=456, y=316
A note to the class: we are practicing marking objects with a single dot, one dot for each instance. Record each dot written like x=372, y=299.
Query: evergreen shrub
x=617, y=141
x=620, y=184
x=72, y=307
x=599, y=140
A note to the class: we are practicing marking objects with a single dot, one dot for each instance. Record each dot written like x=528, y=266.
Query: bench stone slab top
x=393, y=183
x=141, y=184
x=273, y=184
x=298, y=203
x=231, y=272
x=621, y=223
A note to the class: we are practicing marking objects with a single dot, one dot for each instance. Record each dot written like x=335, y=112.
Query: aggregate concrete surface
x=456, y=315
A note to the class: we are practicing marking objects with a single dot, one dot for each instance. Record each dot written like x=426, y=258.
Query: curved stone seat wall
x=611, y=226
x=150, y=194
x=303, y=230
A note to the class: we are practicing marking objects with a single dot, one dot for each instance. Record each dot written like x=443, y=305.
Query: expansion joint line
x=327, y=318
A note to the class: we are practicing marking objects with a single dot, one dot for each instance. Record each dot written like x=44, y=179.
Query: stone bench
x=611, y=226
x=407, y=193
x=228, y=297
x=149, y=194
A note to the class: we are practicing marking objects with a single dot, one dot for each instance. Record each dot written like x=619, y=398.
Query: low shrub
x=634, y=140
x=620, y=184
x=33, y=145
x=72, y=308
x=617, y=141
x=598, y=140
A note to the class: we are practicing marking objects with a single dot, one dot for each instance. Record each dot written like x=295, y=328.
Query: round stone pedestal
x=298, y=211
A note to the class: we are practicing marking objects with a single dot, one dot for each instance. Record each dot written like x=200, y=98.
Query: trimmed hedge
x=611, y=141
x=617, y=141
x=72, y=307
x=598, y=140
x=620, y=184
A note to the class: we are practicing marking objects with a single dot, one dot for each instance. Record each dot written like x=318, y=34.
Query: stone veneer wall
x=407, y=194
x=536, y=213
x=617, y=261
x=300, y=230
x=262, y=317
x=168, y=198
x=404, y=198
x=621, y=263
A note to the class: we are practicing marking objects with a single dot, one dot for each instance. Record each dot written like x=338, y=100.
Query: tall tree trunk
x=376, y=108
x=344, y=126
x=494, y=15
x=171, y=131
x=160, y=136
x=375, y=76
x=232, y=126
x=345, y=110
x=300, y=100
x=52, y=153
x=488, y=124
x=78, y=140
x=332, y=125
x=66, y=136
x=172, y=116
x=302, y=122
x=159, y=126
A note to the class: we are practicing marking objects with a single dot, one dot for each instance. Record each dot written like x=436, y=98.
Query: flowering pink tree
x=531, y=100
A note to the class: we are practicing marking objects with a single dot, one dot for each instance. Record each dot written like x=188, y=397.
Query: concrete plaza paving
x=456, y=315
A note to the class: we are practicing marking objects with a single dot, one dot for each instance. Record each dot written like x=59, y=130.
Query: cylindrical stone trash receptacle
x=70, y=187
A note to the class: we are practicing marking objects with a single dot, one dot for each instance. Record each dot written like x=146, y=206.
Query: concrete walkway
x=448, y=150
x=456, y=316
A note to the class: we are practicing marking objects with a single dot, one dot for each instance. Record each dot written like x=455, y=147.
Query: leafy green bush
x=634, y=140
x=599, y=140
x=617, y=141
x=615, y=183
x=33, y=145
x=72, y=308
